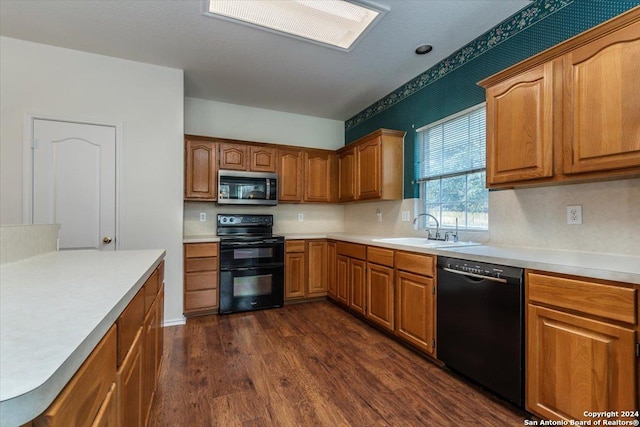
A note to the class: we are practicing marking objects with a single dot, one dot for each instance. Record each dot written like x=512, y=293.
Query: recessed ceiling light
x=335, y=23
x=424, y=49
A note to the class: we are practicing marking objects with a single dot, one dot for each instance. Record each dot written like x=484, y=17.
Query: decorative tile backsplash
x=507, y=29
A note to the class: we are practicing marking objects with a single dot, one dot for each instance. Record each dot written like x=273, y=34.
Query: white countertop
x=620, y=268
x=54, y=310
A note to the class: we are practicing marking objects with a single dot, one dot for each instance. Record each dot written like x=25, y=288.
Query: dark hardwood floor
x=309, y=364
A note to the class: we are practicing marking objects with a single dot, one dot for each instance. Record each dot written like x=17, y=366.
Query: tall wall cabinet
x=569, y=113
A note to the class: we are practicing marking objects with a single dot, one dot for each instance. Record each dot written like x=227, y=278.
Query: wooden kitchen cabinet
x=233, y=156
x=601, y=104
x=319, y=176
x=129, y=385
x=581, y=346
x=415, y=300
x=200, y=278
x=520, y=127
x=375, y=172
x=316, y=268
x=305, y=269
x=347, y=175
x=108, y=414
x=149, y=353
x=88, y=392
x=262, y=159
x=294, y=266
x=290, y=182
x=381, y=287
x=332, y=280
x=351, y=272
x=200, y=170
x=567, y=114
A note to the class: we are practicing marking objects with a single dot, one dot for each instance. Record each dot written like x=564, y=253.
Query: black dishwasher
x=480, y=324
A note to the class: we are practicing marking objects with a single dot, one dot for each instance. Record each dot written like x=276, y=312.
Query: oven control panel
x=244, y=220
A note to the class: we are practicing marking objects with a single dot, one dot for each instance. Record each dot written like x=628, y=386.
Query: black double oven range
x=251, y=263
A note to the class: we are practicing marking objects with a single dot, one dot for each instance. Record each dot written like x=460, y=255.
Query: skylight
x=337, y=23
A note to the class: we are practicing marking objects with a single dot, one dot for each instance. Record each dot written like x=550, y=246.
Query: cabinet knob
x=107, y=240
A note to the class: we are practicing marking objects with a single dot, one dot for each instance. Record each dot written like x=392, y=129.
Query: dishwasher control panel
x=481, y=269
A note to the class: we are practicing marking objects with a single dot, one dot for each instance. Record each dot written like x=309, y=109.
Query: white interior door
x=74, y=182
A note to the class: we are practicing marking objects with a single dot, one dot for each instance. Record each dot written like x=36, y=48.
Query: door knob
x=107, y=240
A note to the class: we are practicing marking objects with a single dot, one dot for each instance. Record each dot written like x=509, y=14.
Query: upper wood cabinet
x=290, y=180
x=602, y=103
x=319, y=176
x=347, y=175
x=245, y=157
x=234, y=156
x=200, y=170
x=376, y=169
x=520, y=127
x=569, y=113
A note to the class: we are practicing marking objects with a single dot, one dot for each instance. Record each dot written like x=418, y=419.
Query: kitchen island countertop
x=55, y=308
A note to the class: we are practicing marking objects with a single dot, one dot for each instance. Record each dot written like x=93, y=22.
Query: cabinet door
x=294, y=285
x=416, y=310
x=347, y=176
x=234, y=157
x=160, y=332
x=332, y=279
x=575, y=364
x=149, y=342
x=290, y=182
x=108, y=414
x=318, y=177
x=317, y=268
x=380, y=296
x=129, y=385
x=520, y=127
x=357, y=285
x=602, y=103
x=342, y=279
x=369, y=170
x=200, y=170
x=263, y=159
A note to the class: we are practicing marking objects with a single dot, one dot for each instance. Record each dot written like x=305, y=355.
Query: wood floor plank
x=310, y=364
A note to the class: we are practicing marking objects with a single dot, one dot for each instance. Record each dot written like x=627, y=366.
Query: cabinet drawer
x=200, y=250
x=198, y=281
x=294, y=246
x=201, y=264
x=380, y=256
x=352, y=250
x=598, y=299
x=416, y=263
x=150, y=290
x=201, y=300
x=128, y=324
x=81, y=399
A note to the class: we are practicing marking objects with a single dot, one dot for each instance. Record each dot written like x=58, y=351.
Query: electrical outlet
x=379, y=215
x=203, y=216
x=406, y=216
x=574, y=214
x=300, y=216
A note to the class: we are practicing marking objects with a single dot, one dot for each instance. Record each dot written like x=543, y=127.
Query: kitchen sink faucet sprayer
x=437, y=236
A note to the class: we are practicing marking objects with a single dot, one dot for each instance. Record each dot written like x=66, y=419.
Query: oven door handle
x=255, y=267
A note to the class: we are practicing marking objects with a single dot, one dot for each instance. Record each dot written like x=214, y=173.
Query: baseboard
x=174, y=322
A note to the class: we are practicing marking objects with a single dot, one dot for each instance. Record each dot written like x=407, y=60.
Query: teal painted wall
x=457, y=90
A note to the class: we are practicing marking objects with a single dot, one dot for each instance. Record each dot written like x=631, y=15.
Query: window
x=450, y=167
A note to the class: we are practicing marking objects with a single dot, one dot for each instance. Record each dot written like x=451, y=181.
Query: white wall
x=211, y=118
x=147, y=100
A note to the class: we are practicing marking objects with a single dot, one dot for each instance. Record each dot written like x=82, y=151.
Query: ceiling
x=233, y=63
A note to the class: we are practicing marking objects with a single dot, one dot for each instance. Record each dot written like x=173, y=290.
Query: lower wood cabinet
x=332, y=279
x=342, y=280
x=108, y=414
x=200, y=278
x=88, y=392
x=130, y=385
x=415, y=308
x=351, y=276
x=581, y=346
x=381, y=296
x=306, y=274
x=358, y=285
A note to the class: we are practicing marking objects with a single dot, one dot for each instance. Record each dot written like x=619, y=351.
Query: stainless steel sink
x=424, y=242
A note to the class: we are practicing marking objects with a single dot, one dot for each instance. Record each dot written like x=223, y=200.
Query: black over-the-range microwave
x=247, y=188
